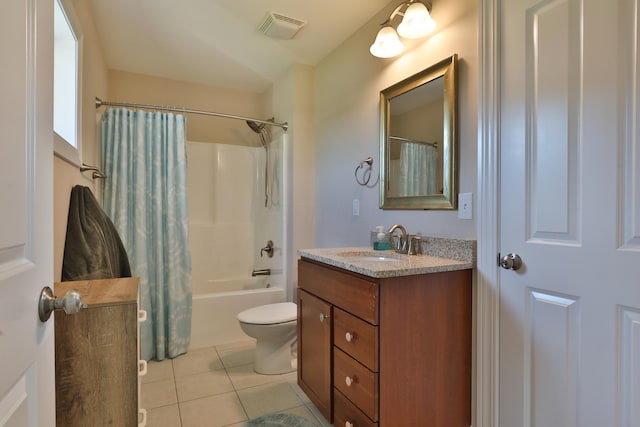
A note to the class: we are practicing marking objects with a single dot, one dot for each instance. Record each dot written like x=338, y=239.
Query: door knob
x=71, y=303
x=511, y=262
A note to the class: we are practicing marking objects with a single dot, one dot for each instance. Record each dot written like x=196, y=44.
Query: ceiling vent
x=280, y=26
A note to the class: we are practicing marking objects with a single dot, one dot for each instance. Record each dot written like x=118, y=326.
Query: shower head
x=256, y=127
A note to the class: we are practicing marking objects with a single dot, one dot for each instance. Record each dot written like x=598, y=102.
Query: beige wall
x=346, y=104
x=66, y=175
x=142, y=89
x=292, y=97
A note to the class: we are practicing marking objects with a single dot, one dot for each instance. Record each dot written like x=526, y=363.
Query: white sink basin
x=373, y=256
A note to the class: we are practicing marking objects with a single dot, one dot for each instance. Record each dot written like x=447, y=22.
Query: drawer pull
x=142, y=417
x=349, y=380
x=323, y=317
x=142, y=368
x=348, y=424
x=349, y=336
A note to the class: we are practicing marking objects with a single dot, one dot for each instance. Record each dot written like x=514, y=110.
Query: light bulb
x=387, y=43
x=417, y=22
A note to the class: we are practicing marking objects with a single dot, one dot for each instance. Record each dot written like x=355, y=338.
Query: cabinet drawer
x=346, y=414
x=352, y=293
x=356, y=337
x=356, y=382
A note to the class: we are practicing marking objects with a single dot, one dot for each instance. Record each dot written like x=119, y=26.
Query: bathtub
x=217, y=302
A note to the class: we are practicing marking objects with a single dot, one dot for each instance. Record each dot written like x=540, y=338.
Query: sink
x=372, y=256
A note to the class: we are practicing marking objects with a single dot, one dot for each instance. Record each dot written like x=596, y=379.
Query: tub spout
x=263, y=272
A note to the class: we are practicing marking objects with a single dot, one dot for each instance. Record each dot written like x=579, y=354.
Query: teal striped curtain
x=145, y=195
x=418, y=170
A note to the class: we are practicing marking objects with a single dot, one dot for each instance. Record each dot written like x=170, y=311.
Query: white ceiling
x=217, y=42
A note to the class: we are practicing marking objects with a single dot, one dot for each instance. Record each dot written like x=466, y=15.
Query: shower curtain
x=418, y=169
x=145, y=194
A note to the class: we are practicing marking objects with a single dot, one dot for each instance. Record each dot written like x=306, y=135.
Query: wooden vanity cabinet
x=96, y=355
x=400, y=352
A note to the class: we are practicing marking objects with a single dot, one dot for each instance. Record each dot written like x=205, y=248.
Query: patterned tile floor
x=217, y=387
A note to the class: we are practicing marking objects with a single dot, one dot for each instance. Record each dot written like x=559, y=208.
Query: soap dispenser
x=380, y=239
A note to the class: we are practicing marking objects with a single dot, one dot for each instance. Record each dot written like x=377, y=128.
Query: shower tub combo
x=227, y=229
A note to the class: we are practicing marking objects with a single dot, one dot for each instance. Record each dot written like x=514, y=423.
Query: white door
x=26, y=220
x=570, y=208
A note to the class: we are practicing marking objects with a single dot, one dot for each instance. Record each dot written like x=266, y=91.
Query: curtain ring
x=366, y=174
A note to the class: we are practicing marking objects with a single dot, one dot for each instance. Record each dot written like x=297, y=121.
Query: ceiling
x=217, y=42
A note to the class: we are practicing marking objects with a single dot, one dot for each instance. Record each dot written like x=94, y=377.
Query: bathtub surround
x=144, y=156
x=229, y=228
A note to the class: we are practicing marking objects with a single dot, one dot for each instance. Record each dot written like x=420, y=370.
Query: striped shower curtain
x=145, y=195
x=418, y=170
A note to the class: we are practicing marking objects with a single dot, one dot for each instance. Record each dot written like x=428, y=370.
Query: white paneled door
x=570, y=208
x=26, y=220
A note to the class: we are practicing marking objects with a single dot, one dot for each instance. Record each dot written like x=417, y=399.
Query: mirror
x=419, y=140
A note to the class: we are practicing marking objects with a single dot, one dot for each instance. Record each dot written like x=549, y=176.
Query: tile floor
x=217, y=387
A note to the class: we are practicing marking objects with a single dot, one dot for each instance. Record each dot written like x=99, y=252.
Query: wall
x=66, y=175
x=291, y=97
x=346, y=105
x=143, y=89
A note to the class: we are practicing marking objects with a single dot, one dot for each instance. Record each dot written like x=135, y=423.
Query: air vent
x=280, y=26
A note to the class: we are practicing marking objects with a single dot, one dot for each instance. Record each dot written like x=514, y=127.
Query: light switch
x=465, y=205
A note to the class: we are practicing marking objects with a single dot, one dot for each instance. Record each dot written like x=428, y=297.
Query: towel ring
x=366, y=174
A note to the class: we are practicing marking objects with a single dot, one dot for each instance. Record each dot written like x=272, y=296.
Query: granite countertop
x=441, y=254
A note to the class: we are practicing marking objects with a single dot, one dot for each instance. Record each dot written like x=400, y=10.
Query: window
x=66, y=82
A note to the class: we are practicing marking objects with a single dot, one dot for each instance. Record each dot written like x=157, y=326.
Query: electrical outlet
x=356, y=207
x=465, y=206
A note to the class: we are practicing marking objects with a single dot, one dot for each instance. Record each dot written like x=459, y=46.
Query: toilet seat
x=270, y=314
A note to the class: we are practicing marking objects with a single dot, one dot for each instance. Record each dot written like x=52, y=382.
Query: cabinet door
x=96, y=355
x=314, y=350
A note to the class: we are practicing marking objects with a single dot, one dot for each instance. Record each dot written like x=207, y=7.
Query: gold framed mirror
x=419, y=140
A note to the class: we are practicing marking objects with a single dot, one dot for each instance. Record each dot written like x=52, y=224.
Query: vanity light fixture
x=416, y=23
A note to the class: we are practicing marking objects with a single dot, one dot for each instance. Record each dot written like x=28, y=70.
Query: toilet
x=274, y=328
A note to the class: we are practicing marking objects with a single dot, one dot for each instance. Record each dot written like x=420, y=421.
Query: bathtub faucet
x=263, y=272
x=268, y=249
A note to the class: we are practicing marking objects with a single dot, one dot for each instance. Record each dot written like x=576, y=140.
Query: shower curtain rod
x=417, y=141
x=100, y=103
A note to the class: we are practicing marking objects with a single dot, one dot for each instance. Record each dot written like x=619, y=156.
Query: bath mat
x=279, y=420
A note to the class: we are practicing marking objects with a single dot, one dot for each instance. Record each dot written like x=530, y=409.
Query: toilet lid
x=270, y=314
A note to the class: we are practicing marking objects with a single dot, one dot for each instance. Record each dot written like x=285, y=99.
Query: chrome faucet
x=403, y=243
x=263, y=272
x=415, y=244
x=268, y=249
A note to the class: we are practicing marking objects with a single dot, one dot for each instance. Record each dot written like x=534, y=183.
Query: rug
x=279, y=420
